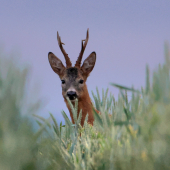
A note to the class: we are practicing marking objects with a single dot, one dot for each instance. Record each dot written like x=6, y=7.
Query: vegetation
x=128, y=134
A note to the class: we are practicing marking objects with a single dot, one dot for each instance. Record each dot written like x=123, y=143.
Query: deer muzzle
x=72, y=95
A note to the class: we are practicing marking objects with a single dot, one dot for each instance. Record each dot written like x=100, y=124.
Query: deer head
x=73, y=79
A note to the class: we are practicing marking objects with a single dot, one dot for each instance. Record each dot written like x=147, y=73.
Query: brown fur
x=87, y=108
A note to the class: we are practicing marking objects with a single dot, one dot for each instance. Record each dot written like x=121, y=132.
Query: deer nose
x=71, y=94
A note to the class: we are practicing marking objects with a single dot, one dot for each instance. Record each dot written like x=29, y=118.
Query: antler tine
x=68, y=62
x=78, y=62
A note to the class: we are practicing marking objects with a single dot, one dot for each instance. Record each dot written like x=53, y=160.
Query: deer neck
x=84, y=104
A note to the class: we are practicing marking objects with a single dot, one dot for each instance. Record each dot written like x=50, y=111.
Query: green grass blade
x=125, y=88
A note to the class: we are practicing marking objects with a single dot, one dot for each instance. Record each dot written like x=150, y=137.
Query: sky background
x=125, y=34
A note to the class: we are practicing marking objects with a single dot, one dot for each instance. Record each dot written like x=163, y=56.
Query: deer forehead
x=72, y=74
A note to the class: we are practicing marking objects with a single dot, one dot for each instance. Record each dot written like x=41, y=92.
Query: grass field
x=129, y=134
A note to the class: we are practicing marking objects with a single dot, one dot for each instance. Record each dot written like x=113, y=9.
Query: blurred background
x=126, y=36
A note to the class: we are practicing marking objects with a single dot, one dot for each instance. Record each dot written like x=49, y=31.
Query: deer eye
x=81, y=81
x=63, y=81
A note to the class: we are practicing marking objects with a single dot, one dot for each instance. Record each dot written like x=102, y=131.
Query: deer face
x=73, y=79
x=72, y=83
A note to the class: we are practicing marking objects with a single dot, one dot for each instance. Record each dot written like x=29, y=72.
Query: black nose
x=72, y=95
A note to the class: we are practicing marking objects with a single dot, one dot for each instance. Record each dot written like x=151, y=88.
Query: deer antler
x=68, y=62
x=78, y=62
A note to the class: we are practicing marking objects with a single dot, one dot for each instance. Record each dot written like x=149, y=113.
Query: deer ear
x=56, y=64
x=89, y=63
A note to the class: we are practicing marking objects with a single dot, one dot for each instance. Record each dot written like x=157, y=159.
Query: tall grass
x=128, y=134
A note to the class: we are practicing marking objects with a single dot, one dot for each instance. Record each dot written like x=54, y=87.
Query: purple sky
x=126, y=36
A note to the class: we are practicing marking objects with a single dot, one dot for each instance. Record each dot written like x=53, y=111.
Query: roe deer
x=73, y=79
